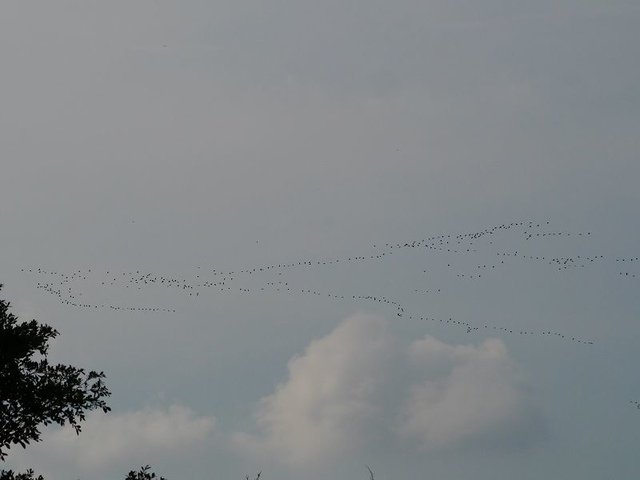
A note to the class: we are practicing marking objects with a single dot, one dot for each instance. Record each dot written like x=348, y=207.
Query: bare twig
x=370, y=472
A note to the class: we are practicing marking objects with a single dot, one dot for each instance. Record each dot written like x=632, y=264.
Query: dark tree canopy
x=143, y=474
x=34, y=393
x=28, y=475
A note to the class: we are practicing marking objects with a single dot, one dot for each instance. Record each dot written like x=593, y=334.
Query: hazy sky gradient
x=164, y=136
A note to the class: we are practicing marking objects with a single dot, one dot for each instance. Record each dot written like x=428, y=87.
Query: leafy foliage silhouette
x=28, y=475
x=142, y=474
x=35, y=393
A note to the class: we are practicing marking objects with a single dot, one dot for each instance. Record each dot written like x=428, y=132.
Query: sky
x=446, y=167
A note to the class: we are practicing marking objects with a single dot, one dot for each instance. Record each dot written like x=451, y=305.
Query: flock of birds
x=274, y=278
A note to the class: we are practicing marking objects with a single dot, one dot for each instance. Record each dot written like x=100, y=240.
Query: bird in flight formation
x=478, y=250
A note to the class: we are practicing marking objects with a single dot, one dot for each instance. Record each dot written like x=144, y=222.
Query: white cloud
x=120, y=439
x=468, y=395
x=347, y=385
x=326, y=401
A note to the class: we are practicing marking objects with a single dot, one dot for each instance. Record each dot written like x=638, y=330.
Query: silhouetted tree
x=142, y=474
x=34, y=393
x=28, y=475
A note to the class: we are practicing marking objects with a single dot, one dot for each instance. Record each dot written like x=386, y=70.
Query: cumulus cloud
x=346, y=385
x=327, y=400
x=117, y=439
x=468, y=395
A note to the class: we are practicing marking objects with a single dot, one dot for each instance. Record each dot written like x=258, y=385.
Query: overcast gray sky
x=185, y=139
